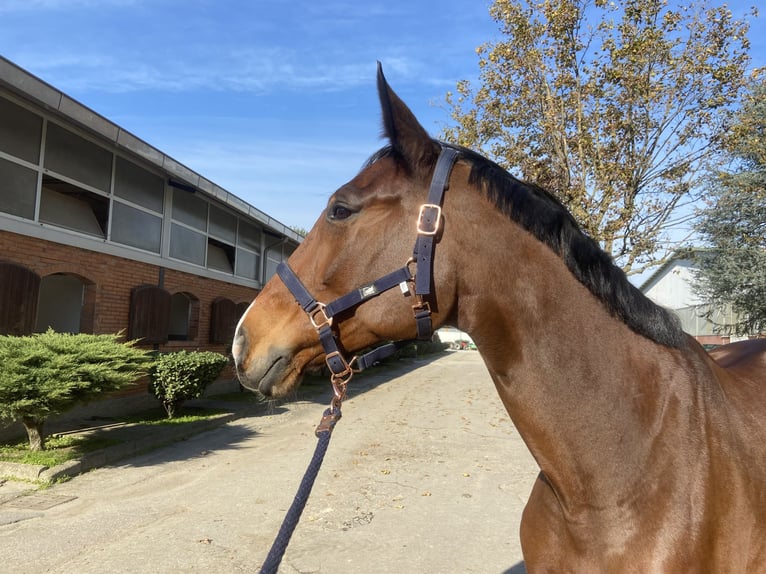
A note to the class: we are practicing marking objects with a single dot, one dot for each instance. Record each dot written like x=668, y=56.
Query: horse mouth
x=269, y=380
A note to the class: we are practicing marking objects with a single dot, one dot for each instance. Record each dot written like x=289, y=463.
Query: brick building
x=100, y=232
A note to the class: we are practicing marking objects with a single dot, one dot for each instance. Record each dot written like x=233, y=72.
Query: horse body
x=652, y=454
x=641, y=446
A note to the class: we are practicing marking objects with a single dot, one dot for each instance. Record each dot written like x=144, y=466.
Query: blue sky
x=273, y=100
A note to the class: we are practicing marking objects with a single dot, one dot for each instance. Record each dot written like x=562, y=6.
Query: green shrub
x=48, y=373
x=178, y=377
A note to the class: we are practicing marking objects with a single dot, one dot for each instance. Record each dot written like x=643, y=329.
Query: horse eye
x=339, y=212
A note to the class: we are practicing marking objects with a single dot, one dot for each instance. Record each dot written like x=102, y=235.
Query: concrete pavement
x=424, y=473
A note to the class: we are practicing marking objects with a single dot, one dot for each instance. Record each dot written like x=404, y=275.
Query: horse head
x=366, y=231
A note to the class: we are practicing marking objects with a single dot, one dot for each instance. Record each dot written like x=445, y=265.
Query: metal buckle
x=324, y=320
x=422, y=218
x=348, y=371
x=421, y=307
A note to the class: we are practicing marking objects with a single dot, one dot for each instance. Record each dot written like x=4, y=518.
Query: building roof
x=43, y=94
x=682, y=255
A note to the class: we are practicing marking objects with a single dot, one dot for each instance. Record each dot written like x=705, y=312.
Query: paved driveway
x=424, y=473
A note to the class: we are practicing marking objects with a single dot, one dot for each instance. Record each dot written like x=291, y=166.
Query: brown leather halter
x=322, y=315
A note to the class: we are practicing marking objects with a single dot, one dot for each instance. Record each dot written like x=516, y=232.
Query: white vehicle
x=456, y=338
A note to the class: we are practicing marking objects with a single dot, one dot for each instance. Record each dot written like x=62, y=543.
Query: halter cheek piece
x=321, y=315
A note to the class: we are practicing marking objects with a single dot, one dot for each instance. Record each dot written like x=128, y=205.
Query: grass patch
x=159, y=417
x=62, y=448
x=59, y=449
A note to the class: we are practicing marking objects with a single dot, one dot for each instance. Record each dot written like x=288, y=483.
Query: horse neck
x=583, y=390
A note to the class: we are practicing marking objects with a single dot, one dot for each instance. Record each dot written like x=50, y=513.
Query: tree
x=733, y=270
x=48, y=373
x=611, y=105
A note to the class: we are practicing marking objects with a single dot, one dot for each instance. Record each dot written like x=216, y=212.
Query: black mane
x=545, y=217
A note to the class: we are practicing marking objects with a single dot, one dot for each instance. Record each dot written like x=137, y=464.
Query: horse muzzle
x=265, y=372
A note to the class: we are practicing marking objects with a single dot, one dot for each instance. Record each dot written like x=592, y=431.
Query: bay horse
x=652, y=452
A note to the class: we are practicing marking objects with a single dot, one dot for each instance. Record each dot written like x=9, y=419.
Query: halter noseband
x=321, y=315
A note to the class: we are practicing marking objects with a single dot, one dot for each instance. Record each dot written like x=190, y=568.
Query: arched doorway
x=61, y=304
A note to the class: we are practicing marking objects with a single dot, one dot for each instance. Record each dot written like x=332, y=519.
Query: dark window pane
x=223, y=225
x=78, y=158
x=248, y=264
x=187, y=245
x=20, y=131
x=138, y=185
x=190, y=209
x=134, y=227
x=249, y=236
x=17, y=189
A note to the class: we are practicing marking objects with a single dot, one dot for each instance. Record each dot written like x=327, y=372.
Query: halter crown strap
x=430, y=219
x=321, y=315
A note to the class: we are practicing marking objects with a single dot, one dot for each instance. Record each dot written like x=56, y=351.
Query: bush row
x=48, y=373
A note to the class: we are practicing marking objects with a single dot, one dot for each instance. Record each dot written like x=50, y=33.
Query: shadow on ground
x=132, y=440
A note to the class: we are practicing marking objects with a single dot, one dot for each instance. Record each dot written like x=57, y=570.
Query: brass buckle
x=420, y=307
x=323, y=319
x=422, y=216
x=348, y=371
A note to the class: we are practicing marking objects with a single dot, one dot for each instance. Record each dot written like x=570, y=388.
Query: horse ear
x=408, y=138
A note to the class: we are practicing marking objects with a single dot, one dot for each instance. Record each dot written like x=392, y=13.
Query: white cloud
x=256, y=70
x=9, y=6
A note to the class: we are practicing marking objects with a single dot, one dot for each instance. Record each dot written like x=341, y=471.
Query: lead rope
x=321, y=317
x=323, y=432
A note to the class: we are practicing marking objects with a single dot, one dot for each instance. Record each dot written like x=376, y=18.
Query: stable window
x=190, y=209
x=18, y=187
x=187, y=245
x=248, y=264
x=20, y=131
x=67, y=205
x=77, y=158
x=223, y=225
x=135, y=227
x=249, y=236
x=274, y=256
x=248, y=260
x=138, y=186
x=220, y=256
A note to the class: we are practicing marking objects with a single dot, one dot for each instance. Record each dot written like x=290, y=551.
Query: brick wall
x=109, y=281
